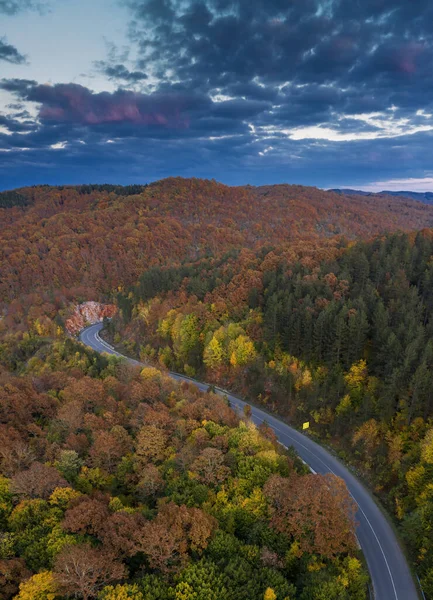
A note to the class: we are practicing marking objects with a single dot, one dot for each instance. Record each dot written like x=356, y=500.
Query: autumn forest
x=117, y=482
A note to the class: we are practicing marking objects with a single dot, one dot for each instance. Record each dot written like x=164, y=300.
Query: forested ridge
x=100, y=237
x=315, y=305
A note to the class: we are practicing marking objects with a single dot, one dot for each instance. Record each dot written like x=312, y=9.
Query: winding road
x=389, y=571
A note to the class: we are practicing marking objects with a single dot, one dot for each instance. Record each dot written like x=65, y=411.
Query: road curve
x=388, y=568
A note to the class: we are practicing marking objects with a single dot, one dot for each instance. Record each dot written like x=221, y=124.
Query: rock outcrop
x=89, y=313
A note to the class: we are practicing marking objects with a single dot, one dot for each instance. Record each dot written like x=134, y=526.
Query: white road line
x=104, y=343
x=381, y=549
x=301, y=459
x=311, y=468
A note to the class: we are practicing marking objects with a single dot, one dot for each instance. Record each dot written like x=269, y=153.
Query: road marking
x=380, y=546
x=301, y=459
x=104, y=343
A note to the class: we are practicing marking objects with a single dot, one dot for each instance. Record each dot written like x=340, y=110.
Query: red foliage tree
x=39, y=481
x=87, y=515
x=176, y=530
x=317, y=510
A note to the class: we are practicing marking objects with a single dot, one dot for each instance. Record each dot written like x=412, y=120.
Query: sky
x=330, y=93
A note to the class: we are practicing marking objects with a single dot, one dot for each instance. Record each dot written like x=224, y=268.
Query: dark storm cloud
x=10, y=54
x=18, y=86
x=374, y=47
x=252, y=91
x=218, y=86
x=132, y=114
x=239, y=108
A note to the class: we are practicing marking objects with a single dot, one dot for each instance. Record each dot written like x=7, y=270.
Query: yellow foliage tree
x=304, y=379
x=369, y=434
x=213, y=354
x=357, y=375
x=270, y=595
x=415, y=478
x=427, y=447
x=344, y=406
x=256, y=503
x=61, y=497
x=299, y=371
x=150, y=373
x=166, y=325
x=241, y=351
x=143, y=311
x=184, y=591
x=395, y=450
x=39, y=587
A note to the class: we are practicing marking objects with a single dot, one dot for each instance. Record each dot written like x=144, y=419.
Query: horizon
x=264, y=184
x=260, y=92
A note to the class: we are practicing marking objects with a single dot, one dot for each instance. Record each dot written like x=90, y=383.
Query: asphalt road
x=388, y=568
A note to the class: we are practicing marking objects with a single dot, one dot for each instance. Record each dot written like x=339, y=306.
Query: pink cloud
x=75, y=103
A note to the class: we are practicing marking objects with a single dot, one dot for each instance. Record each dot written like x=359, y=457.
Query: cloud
x=379, y=52
x=119, y=72
x=17, y=86
x=311, y=64
x=13, y=125
x=138, y=155
x=241, y=89
x=413, y=184
x=376, y=126
x=76, y=104
x=13, y=7
x=10, y=54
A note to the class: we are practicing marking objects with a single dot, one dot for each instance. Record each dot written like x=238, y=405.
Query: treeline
x=117, y=482
x=200, y=279
x=346, y=343
x=119, y=190
x=11, y=198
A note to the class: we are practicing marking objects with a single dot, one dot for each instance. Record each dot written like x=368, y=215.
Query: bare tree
x=82, y=571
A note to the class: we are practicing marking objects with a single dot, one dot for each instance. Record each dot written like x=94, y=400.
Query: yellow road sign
x=306, y=425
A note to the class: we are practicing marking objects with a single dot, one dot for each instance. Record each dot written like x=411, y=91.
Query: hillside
x=305, y=301
x=91, y=239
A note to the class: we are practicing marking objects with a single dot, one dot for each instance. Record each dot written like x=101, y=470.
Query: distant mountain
x=424, y=197
x=350, y=192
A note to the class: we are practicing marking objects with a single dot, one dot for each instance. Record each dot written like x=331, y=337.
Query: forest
x=346, y=344
x=120, y=483
x=316, y=306
x=86, y=241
